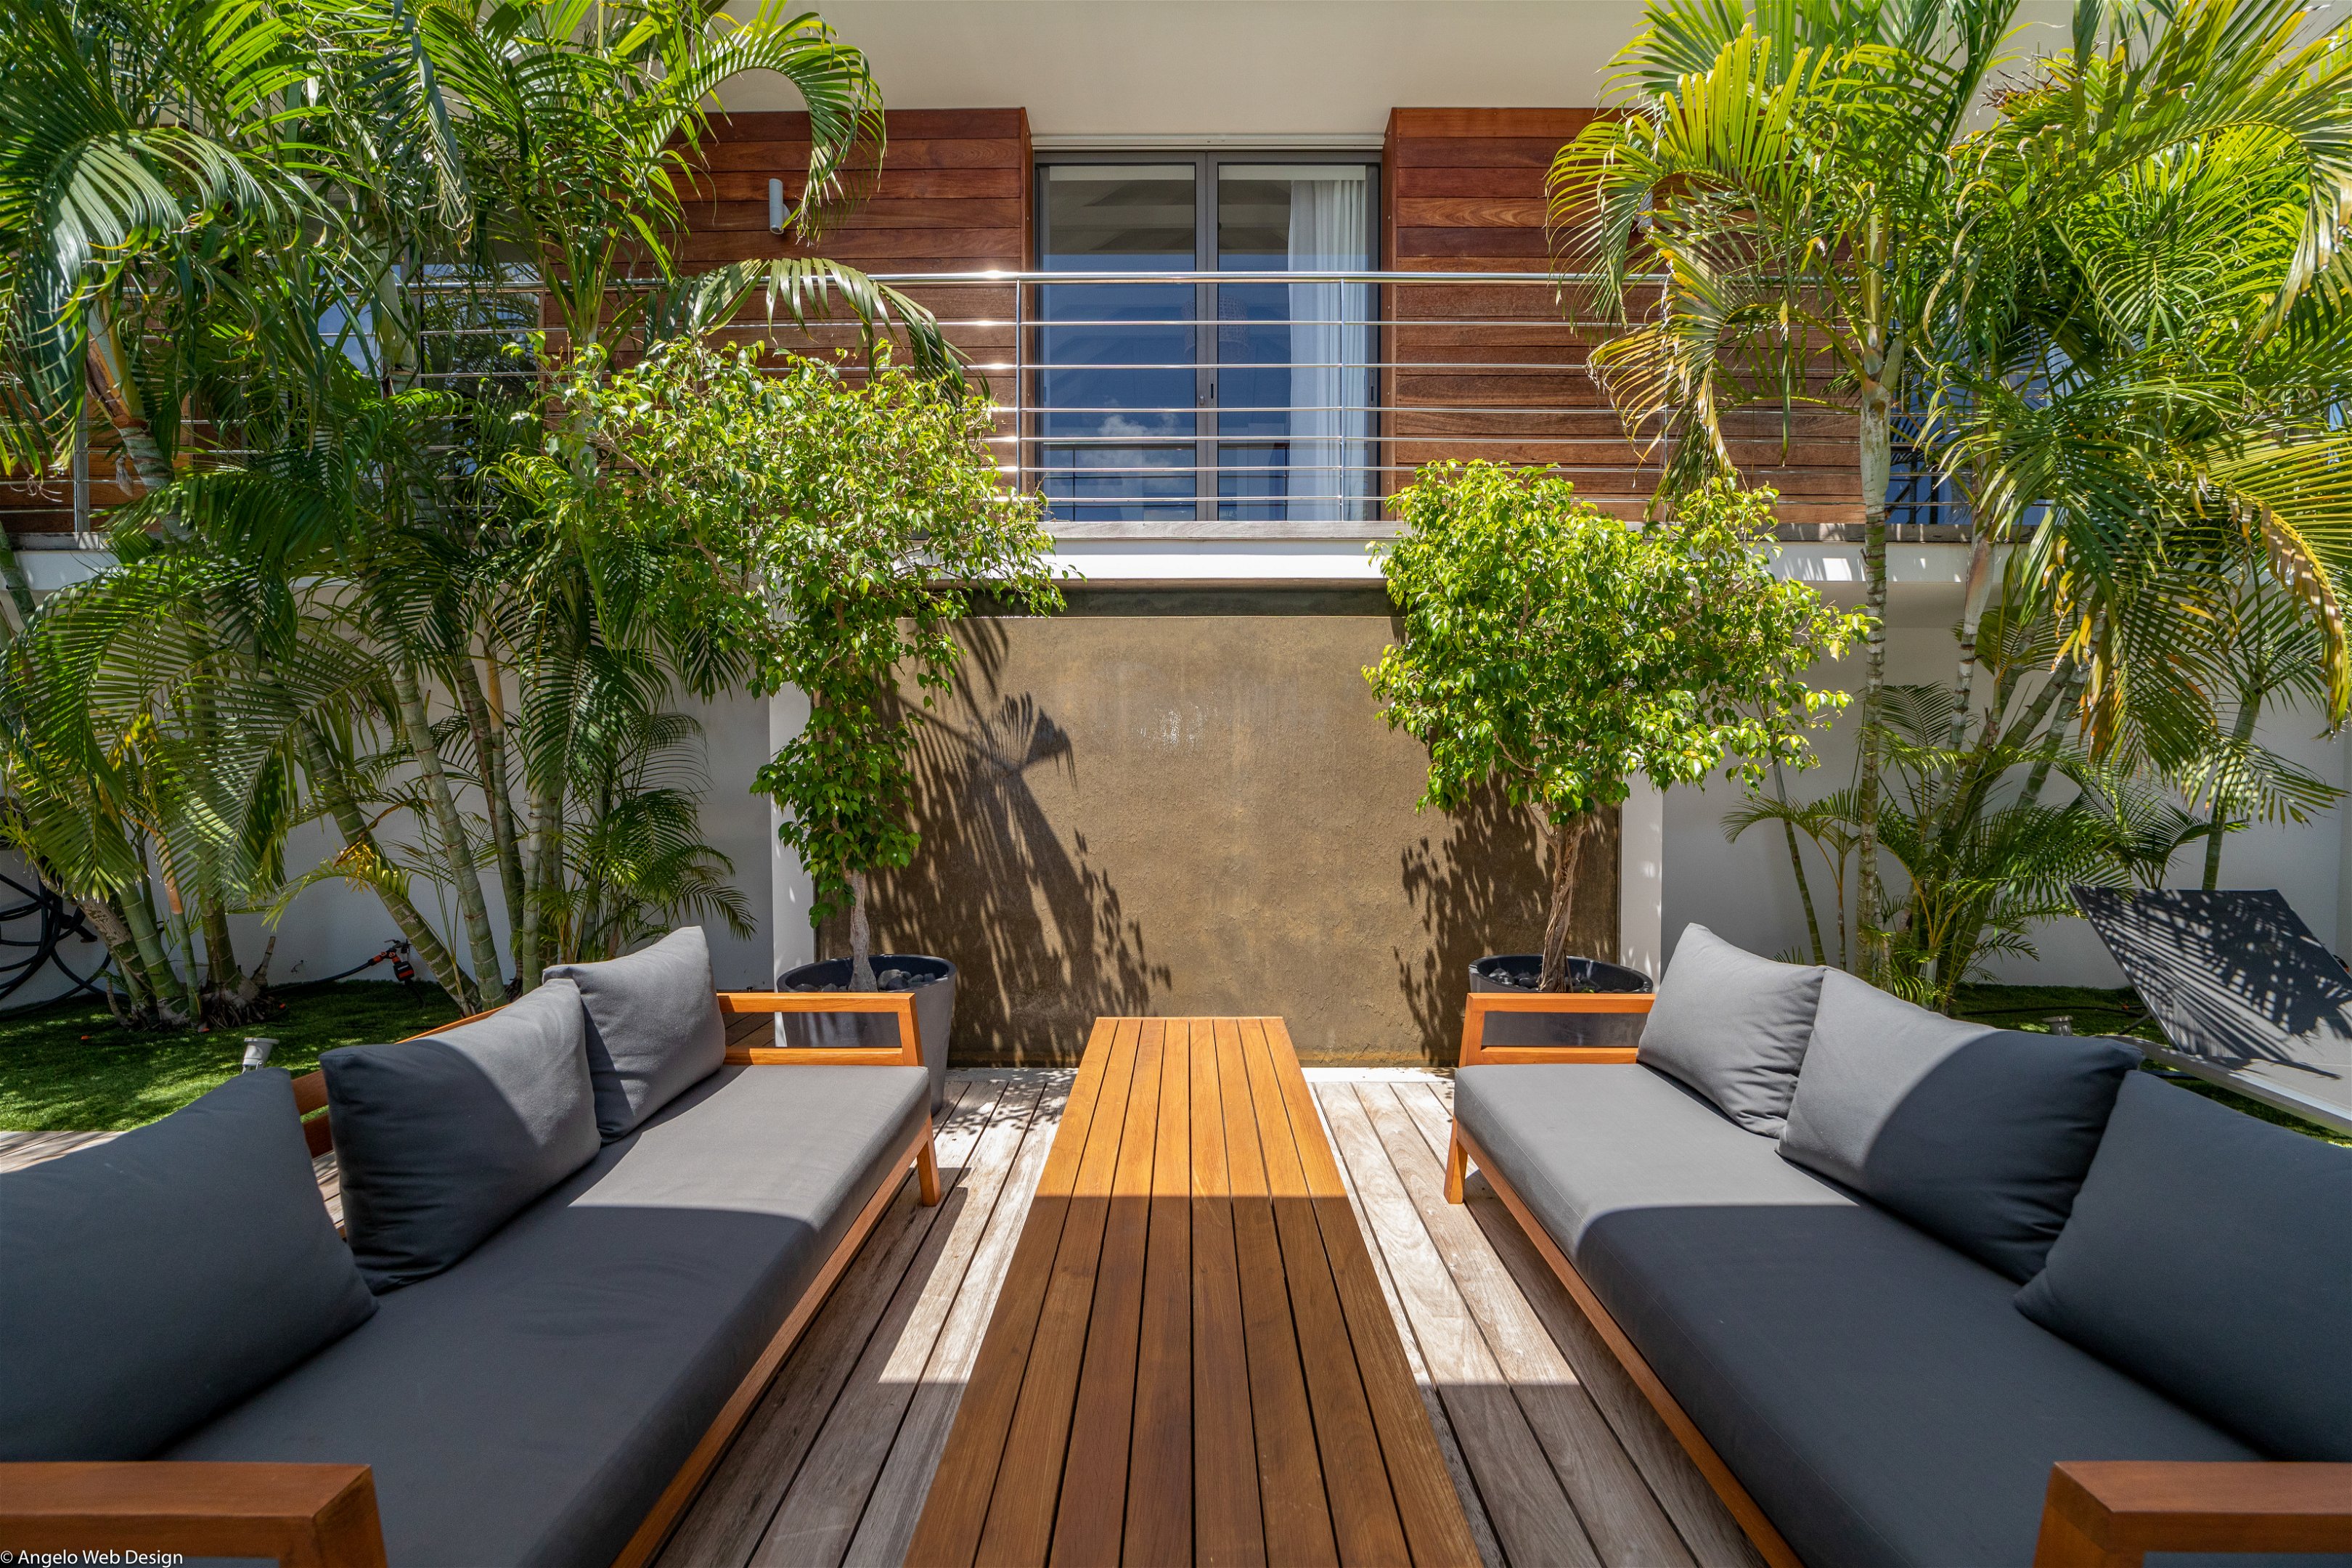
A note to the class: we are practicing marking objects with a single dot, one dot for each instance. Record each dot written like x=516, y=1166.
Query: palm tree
x=256, y=218
x=2114, y=314
x=1782, y=163
x=2144, y=351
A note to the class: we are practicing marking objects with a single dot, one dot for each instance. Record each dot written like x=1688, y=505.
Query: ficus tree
x=1559, y=654
x=827, y=527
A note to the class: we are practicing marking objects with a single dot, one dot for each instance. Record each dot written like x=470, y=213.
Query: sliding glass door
x=1181, y=397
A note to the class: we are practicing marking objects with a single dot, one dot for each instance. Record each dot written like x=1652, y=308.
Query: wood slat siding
x=1464, y=192
x=953, y=195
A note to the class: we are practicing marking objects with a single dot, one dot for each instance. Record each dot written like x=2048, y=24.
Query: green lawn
x=71, y=1068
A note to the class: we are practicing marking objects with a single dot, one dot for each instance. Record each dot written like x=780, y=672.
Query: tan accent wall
x=1204, y=814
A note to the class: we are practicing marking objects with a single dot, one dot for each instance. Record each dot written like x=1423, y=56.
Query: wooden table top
x=1192, y=1360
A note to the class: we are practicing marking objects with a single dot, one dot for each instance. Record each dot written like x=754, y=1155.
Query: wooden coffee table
x=1192, y=1361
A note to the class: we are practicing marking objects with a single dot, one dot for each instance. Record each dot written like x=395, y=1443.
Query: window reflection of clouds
x=1130, y=408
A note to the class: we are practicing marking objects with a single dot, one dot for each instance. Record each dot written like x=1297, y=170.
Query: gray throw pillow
x=441, y=1141
x=2210, y=1255
x=654, y=1028
x=150, y=1282
x=1978, y=1136
x=1733, y=1026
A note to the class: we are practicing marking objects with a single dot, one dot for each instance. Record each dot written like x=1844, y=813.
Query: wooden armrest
x=899, y=1004
x=2108, y=1513
x=1484, y=1003
x=305, y=1516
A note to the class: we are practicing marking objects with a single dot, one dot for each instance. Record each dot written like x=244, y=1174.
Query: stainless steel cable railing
x=1280, y=404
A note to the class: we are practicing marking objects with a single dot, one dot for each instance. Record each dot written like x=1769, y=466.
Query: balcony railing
x=1279, y=404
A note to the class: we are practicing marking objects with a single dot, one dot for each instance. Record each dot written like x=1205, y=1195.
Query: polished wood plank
x=1020, y=1523
x=1159, y=1526
x=1363, y=1505
x=1091, y=1516
x=1291, y=1491
x=1428, y=1507
x=955, y=1511
x=1229, y=1527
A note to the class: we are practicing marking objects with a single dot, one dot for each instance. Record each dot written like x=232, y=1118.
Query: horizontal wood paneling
x=951, y=196
x=1495, y=371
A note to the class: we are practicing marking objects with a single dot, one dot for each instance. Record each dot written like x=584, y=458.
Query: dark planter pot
x=935, y=988
x=1517, y=972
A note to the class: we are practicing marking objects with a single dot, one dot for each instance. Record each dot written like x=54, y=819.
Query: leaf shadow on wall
x=1483, y=885
x=1042, y=942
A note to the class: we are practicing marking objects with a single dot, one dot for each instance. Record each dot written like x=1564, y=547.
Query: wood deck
x=1556, y=1456
x=1191, y=1357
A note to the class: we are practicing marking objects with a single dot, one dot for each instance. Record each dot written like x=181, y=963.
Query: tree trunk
x=545, y=877
x=457, y=847
x=2242, y=730
x=861, y=936
x=2065, y=686
x=439, y=965
x=1972, y=608
x=486, y=716
x=16, y=593
x=115, y=931
x=1567, y=843
x=1876, y=459
x=148, y=939
x=223, y=978
x=118, y=398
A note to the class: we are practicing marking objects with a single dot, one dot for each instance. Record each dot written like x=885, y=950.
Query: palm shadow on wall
x=1042, y=939
x=1482, y=886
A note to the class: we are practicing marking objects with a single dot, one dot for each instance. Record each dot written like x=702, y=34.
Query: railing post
x=1020, y=382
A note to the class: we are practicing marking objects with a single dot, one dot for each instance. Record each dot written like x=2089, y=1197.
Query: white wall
x=1746, y=892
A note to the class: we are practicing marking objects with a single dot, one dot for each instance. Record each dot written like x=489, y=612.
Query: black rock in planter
x=933, y=981
x=1519, y=972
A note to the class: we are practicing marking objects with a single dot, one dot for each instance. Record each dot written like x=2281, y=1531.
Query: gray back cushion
x=1977, y=1136
x=155, y=1279
x=1733, y=1026
x=440, y=1141
x=654, y=1029
x=2210, y=1255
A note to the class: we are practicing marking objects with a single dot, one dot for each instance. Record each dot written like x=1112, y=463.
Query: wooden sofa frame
x=2103, y=1514
x=324, y=1516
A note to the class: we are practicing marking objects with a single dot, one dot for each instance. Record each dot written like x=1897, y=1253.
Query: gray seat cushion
x=654, y=1028
x=441, y=1141
x=1734, y=1027
x=150, y=1281
x=528, y=1406
x=2210, y=1255
x=1977, y=1136
x=1872, y=1388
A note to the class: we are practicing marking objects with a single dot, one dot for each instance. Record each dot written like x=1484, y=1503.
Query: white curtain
x=1331, y=349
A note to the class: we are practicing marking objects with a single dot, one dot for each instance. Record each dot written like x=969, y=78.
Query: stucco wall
x=1202, y=814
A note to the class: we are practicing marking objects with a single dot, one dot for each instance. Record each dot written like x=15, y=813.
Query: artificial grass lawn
x=71, y=1068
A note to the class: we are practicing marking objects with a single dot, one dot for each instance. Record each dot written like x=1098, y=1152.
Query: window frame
x=1206, y=161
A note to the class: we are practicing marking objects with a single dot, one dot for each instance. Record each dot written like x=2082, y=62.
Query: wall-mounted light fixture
x=777, y=211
